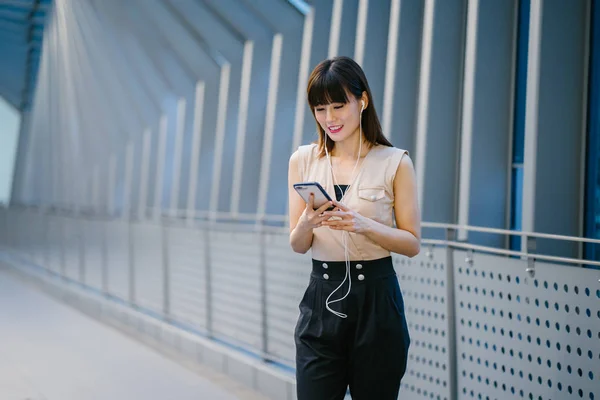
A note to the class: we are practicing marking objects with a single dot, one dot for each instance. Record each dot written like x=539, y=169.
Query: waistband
x=360, y=271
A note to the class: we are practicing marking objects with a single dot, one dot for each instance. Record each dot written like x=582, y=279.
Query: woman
x=351, y=330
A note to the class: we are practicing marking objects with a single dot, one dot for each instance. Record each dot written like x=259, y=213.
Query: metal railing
x=230, y=278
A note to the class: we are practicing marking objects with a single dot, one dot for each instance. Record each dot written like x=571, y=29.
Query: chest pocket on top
x=372, y=201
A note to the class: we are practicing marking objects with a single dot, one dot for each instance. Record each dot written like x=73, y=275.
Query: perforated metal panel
x=236, y=293
x=148, y=266
x=287, y=278
x=423, y=283
x=523, y=337
x=117, y=258
x=187, y=276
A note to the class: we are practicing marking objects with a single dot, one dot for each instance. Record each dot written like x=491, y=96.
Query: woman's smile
x=333, y=129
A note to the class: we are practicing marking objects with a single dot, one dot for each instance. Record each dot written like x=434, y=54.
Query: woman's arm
x=303, y=219
x=406, y=237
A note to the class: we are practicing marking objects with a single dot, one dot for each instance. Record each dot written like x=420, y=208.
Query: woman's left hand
x=347, y=219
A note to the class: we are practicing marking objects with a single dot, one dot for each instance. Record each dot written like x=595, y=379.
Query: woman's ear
x=364, y=100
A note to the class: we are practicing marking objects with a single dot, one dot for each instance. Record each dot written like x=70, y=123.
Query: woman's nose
x=330, y=115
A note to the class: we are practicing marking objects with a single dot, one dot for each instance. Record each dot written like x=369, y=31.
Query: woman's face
x=339, y=120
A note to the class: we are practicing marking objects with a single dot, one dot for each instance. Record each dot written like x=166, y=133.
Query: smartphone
x=321, y=197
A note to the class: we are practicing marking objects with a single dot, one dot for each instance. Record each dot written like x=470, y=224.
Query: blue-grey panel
x=21, y=29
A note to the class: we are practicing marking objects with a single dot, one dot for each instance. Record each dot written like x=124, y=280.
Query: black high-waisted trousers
x=366, y=351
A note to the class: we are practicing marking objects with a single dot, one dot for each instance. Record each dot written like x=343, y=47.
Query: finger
x=340, y=205
x=324, y=207
x=349, y=228
x=340, y=214
x=323, y=218
x=311, y=201
x=338, y=223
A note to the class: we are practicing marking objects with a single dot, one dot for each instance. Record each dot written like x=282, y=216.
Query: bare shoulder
x=294, y=158
x=406, y=163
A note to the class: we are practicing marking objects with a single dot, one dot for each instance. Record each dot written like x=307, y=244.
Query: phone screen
x=321, y=196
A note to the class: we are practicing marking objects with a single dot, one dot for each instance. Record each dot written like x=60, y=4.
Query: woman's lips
x=335, y=128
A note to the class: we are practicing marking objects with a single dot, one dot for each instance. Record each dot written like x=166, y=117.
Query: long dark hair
x=330, y=82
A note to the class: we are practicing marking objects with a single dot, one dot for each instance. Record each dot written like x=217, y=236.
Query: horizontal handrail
x=228, y=217
x=508, y=232
x=494, y=250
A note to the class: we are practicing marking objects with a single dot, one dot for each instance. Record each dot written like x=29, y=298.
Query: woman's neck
x=348, y=149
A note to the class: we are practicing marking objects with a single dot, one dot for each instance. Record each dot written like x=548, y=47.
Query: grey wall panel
x=282, y=138
x=436, y=155
x=555, y=125
x=318, y=51
x=486, y=117
x=405, y=93
x=347, y=36
x=375, y=44
x=206, y=158
x=250, y=156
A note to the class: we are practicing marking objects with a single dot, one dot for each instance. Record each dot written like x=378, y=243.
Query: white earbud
x=363, y=105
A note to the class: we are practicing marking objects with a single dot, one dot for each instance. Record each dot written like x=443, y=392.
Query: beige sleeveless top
x=371, y=194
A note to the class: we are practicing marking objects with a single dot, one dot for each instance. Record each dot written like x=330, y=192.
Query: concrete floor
x=49, y=351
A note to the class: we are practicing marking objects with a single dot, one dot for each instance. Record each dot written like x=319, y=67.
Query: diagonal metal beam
x=239, y=15
x=161, y=36
x=300, y=6
x=30, y=54
x=277, y=15
x=225, y=22
x=9, y=97
x=212, y=52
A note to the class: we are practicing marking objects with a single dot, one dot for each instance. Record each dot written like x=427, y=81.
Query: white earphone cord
x=345, y=234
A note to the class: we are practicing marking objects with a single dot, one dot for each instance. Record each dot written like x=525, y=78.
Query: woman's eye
x=338, y=107
x=319, y=109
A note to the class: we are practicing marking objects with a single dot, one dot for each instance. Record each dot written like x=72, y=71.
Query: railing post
x=131, y=253
x=81, y=225
x=530, y=248
x=208, y=278
x=451, y=313
x=166, y=269
x=105, y=256
x=46, y=235
x=62, y=237
x=263, y=288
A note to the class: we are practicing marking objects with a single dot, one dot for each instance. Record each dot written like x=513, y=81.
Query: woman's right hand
x=311, y=218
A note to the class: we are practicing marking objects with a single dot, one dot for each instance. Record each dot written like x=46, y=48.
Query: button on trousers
x=368, y=350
